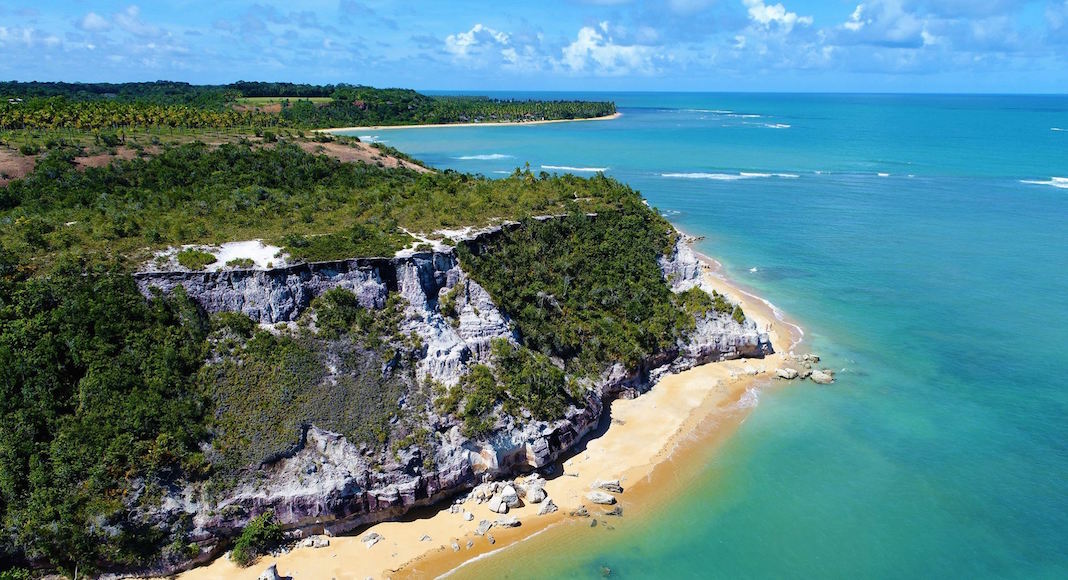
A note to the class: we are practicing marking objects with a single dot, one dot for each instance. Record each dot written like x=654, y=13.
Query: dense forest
x=77, y=106
x=315, y=207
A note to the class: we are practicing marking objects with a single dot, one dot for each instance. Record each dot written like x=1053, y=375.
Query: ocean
x=922, y=243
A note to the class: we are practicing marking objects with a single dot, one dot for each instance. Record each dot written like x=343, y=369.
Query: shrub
x=258, y=537
x=738, y=315
x=29, y=149
x=236, y=322
x=195, y=259
x=241, y=263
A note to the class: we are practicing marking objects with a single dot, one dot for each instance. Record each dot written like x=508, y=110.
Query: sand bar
x=486, y=124
x=682, y=414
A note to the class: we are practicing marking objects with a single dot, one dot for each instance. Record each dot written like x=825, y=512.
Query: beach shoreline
x=646, y=442
x=489, y=124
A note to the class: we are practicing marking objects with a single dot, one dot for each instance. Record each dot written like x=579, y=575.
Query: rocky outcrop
x=328, y=485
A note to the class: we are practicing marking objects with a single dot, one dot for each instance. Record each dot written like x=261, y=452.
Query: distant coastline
x=615, y=115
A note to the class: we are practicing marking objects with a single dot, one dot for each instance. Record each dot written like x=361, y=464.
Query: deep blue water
x=902, y=232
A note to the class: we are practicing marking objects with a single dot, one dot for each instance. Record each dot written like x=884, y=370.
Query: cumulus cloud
x=774, y=14
x=594, y=50
x=93, y=22
x=27, y=37
x=883, y=23
x=463, y=44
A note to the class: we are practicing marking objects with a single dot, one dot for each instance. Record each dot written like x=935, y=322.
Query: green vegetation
x=266, y=388
x=86, y=107
x=195, y=259
x=315, y=207
x=241, y=263
x=97, y=409
x=586, y=291
x=519, y=380
x=258, y=537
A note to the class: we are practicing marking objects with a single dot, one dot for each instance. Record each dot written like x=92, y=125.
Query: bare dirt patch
x=103, y=159
x=359, y=153
x=14, y=165
x=273, y=108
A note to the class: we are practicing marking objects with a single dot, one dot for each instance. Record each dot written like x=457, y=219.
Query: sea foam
x=485, y=157
x=1058, y=182
x=776, y=125
x=729, y=176
x=569, y=168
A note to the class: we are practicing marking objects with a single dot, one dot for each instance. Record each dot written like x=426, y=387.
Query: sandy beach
x=682, y=414
x=489, y=124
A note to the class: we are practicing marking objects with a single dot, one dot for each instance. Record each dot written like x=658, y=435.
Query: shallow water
x=903, y=235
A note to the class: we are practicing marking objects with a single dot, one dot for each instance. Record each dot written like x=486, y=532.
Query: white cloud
x=93, y=22
x=463, y=43
x=884, y=23
x=856, y=19
x=767, y=15
x=594, y=50
x=130, y=21
x=28, y=37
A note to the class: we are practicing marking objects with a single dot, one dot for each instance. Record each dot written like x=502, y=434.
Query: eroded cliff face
x=329, y=484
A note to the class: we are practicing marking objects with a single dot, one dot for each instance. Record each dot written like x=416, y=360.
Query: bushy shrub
x=195, y=259
x=259, y=536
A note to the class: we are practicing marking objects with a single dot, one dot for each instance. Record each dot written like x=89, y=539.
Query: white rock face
x=328, y=484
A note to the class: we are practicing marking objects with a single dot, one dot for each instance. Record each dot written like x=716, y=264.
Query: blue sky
x=686, y=45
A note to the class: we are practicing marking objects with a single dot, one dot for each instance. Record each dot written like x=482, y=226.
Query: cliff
x=329, y=484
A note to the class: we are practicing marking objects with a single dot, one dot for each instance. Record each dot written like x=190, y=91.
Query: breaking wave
x=486, y=157
x=1058, y=182
x=569, y=168
x=728, y=176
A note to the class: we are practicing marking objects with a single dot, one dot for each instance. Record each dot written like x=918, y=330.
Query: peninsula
x=231, y=339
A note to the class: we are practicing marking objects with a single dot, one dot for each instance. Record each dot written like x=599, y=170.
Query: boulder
x=483, y=527
x=536, y=494
x=822, y=377
x=611, y=485
x=786, y=374
x=510, y=496
x=271, y=573
x=508, y=522
x=425, y=538
x=534, y=490
x=600, y=497
x=497, y=505
x=468, y=516
x=547, y=508
x=615, y=511
x=371, y=539
x=581, y=512
x=315, y=542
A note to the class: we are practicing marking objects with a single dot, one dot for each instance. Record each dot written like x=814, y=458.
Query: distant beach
x=487, y=124
x=682, y=414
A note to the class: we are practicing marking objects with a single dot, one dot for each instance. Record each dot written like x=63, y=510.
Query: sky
x=986, y=46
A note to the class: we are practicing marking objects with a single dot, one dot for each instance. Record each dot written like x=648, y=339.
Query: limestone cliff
x=327, y=483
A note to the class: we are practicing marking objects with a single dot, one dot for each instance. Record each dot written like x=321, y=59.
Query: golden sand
x=487, y=124
x=701, y=405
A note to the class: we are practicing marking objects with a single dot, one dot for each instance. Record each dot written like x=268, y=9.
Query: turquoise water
x=941, y=287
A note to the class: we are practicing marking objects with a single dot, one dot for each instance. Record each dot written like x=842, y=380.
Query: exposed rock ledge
x=326, y=484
